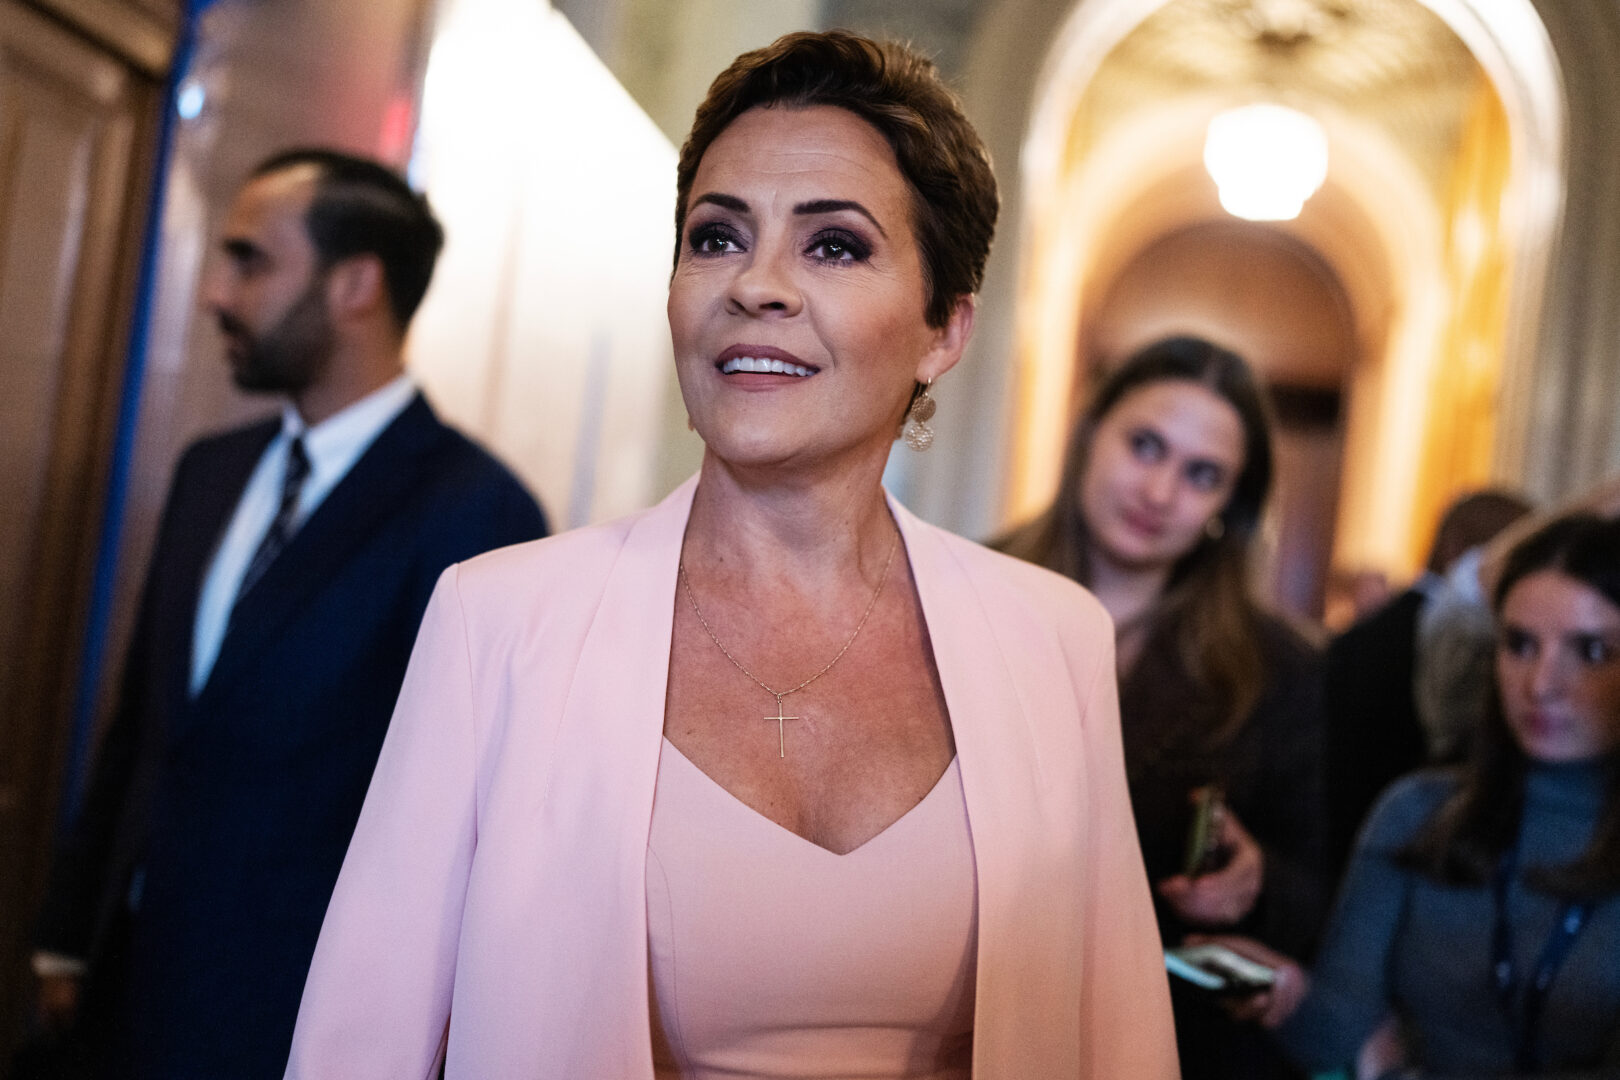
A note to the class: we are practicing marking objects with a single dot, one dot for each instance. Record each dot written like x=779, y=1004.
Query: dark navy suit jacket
x=233, y=809
x=1373, y=733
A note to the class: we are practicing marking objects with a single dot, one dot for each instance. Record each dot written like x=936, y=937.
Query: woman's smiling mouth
x=764, y=366
x=744, y=359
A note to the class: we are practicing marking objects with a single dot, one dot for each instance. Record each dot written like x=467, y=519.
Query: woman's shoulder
x=1405, y=806
x=547, y=575
x=565, y=553
x=1012, y=587
x=1286, y=641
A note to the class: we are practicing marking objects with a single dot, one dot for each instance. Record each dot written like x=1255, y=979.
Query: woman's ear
x=949, y=340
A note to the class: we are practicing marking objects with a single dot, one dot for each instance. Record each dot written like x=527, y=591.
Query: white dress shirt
x=333, y=446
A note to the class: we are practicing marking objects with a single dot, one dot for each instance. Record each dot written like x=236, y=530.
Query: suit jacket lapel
x=198, y=525
x=347, y=518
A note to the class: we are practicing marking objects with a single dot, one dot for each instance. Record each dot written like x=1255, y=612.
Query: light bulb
x=1266, y=160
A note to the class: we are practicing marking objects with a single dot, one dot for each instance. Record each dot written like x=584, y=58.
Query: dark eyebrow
x=832, y=206
x=728, y=202
x=1592, y=633
x=815, y=206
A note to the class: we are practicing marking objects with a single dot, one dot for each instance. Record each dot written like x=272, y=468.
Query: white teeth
x=760, y=365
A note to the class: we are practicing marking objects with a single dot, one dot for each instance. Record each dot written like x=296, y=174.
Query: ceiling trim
x=1511, y=46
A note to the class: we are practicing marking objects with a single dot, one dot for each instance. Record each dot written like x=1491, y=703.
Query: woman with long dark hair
x=1163, y=489
x=1478, y=928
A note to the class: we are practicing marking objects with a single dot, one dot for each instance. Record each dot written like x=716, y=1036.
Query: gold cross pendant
x=781, y=727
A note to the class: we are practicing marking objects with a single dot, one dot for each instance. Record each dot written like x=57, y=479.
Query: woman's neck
x=808, y=528
x=1572, y=785
x=1128, y=594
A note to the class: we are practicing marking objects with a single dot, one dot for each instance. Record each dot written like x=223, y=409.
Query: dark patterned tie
x=282, y=528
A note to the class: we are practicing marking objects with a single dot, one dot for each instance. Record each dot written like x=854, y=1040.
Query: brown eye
x=713, y=239
x=1146, y=446
x=1592, y=649
x=1517, y=644
x=838, y=245
x=1205, y=475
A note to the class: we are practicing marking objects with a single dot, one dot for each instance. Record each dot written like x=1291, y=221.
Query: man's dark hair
x=1471, y=521
x=362, y=207
x=898, y=92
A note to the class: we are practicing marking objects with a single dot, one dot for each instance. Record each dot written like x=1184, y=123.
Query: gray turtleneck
x=1399, y=942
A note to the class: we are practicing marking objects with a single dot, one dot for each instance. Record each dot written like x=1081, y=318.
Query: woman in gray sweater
x=1477, y=932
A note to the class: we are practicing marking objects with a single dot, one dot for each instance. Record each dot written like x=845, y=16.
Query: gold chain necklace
x=781, y=718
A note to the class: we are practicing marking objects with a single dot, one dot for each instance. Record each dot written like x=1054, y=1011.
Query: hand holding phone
x=1231, y=968
x=1223, y=896
x=1219, y=970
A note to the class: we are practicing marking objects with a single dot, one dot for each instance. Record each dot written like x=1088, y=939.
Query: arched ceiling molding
x=1510, y=42
x=1572, y=432
x=1373, y=255
x=1511, y=46
x=1396, y=255
x=1506, y=37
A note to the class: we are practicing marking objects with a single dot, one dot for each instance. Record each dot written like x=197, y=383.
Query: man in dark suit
x=1373, y=734
x=1375, y=731
x=293, y=563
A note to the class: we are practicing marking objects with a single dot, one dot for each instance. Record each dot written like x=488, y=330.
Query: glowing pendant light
x=1266, y=160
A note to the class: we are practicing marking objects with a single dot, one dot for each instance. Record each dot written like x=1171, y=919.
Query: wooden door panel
x=66, y=126
x=44, y=151
x=75, y=124
x=141, y=32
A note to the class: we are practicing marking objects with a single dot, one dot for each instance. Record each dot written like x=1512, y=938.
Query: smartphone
x=1203, y=837
x=1219, y=970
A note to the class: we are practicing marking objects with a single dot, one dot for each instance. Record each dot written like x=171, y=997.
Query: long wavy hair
x=1206, y=606
x=1464, y=840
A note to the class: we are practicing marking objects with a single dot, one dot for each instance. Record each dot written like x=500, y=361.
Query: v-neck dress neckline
x=773, y=957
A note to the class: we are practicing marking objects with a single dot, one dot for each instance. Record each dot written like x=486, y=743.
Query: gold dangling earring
x=919, y=435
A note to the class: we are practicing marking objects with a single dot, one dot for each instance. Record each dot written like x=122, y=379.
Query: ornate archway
x=1445, y=263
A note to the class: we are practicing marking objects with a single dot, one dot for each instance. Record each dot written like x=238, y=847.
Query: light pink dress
x=773, y=957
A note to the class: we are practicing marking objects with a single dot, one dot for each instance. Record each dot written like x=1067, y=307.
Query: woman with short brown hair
x=773, y=779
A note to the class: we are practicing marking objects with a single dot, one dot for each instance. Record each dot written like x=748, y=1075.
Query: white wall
x=544, y=331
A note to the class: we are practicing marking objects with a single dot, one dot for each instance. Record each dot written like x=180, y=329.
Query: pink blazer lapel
x=610, y=735
x=1027, y=1004
x=596, y=814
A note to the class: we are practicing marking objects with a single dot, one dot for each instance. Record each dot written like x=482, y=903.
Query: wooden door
x=76, y=127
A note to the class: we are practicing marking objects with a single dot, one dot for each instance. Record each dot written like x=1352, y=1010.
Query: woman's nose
x=764, y=285
x=1547, y=675
x=1159, y=483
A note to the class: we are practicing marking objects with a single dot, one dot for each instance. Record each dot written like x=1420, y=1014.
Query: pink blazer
x=493, y=898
